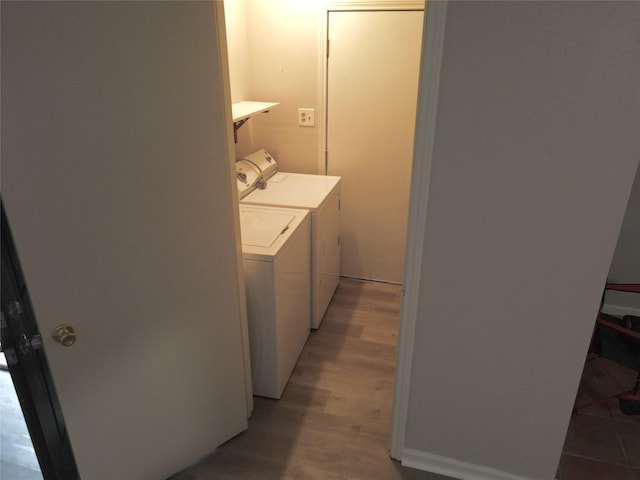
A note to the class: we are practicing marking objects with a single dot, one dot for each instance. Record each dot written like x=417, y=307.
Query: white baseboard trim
x=620, y=310
x=430, y=462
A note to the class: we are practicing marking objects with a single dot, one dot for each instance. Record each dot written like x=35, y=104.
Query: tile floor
x=602, y=443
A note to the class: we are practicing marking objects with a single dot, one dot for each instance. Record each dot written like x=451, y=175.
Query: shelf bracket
x=236, y=127
x=242, y=111
x=238, y=124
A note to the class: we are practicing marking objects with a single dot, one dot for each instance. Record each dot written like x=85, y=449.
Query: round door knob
x=65, y=335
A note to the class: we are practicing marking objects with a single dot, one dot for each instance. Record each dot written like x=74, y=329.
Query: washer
x=260, y=183
x=277, y=275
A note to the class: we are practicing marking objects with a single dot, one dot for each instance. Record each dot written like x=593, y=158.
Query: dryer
x=277, y=275
x=260, y=183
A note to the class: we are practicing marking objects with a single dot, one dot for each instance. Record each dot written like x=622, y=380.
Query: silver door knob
x=64, y=334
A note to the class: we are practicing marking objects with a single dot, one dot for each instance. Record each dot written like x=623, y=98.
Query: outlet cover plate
x=306, y=117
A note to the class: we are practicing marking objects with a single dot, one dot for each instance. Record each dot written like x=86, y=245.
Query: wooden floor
x=334, y=419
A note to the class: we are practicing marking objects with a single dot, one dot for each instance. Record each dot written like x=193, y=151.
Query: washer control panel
x=247, y=176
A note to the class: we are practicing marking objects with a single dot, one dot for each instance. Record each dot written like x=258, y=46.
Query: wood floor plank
x=334, y=418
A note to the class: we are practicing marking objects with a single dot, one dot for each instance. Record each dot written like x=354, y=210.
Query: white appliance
x=277, y=275
x=260, y=183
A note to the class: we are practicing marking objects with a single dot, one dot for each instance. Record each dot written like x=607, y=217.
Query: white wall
x=280, y=39
x=282, y=42
x=536, y=145
x=235, y=14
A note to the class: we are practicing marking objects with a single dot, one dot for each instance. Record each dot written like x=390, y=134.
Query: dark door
x=27, y=363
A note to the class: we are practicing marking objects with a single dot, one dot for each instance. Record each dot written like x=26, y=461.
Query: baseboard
x=620, y=310
x=371, y=280
x=429, y=462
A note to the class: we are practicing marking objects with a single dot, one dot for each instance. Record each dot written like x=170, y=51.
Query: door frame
x=30, y=372
x=432, y=47
x=428, y=86
x=221, y=33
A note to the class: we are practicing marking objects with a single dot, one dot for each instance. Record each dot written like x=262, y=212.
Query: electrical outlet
x=306, y=117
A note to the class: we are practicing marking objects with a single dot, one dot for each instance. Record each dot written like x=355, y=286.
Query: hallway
x=334, y=419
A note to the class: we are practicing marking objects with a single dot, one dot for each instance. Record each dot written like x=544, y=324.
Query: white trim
x=323, y=16
x=430, y=462
x=337, y=5
x=321, y=117
x=620, y=310
x=221, y=32
x=430, y=62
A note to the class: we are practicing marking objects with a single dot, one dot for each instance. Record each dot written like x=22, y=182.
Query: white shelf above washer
x=244, y=110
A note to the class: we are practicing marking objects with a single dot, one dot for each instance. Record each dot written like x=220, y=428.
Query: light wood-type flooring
x=334, y=418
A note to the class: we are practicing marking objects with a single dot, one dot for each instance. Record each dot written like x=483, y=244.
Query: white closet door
x=116, y=182
x=372, y=86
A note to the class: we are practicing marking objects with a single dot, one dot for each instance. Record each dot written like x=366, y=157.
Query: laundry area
x=296, y=149
x=204, y=234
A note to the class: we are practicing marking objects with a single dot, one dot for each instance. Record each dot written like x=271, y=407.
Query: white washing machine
x=260, y=183
x=277, y=275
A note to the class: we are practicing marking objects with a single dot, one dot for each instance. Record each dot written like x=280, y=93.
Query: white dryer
x=260, y=183
x=277, y=275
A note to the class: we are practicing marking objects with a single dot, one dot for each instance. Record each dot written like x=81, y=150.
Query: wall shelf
x=242, y=111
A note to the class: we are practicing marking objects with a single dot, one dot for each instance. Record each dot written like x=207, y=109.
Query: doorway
x=33, y=422
x=17, y=456
x=371, y=95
